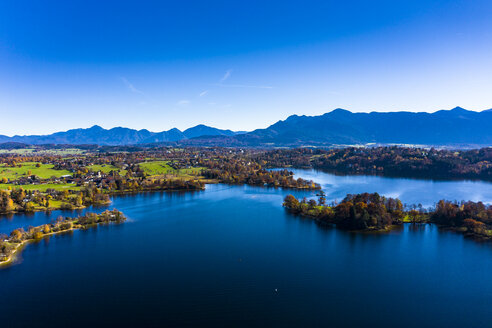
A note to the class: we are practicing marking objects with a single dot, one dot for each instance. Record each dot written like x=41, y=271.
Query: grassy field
x=105, y=168
x=45, y=171
x=42, y=187
x=54, y=204
x=408, y=219
x=157, y=168
x=152, y=168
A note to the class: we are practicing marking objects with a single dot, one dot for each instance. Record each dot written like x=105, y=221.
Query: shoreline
x=20, y=246
x=107, y=218
x=50, y=209
x=419, y=177
x=125, y=192
x=459, y=230
x=131, y=192
x=11, y=259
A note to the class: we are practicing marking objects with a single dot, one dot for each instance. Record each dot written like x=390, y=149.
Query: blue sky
x=239, y=65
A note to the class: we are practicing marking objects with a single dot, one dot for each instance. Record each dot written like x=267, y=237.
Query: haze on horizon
x=158, y=65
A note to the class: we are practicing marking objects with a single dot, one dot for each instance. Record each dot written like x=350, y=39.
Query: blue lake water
x=232, y=256
x=410, y=191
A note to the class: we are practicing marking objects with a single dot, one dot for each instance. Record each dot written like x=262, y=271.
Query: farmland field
x=42, y=187
x=44, y=171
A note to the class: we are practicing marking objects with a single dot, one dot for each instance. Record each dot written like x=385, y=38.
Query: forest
x=370, y=211
x=390, y=161
x=239, y=171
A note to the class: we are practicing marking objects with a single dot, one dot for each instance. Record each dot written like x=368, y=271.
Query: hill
x=115, y=136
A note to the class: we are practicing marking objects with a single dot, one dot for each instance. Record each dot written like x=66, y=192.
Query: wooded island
x=365, y=212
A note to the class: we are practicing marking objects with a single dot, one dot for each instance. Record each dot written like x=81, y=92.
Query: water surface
x=232, y=256
x=410, y=191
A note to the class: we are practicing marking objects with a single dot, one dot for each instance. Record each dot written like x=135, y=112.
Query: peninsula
x=11, y=245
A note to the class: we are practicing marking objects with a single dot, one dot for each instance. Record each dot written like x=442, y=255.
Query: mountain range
x=117, y=136
x=444, y=127
x=457, y=126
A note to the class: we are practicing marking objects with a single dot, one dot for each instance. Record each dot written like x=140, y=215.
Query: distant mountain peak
x=340, y=111
x=293, y=116
x=459, y=109
x=204, y=130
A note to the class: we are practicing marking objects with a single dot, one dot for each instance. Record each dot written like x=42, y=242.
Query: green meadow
x=105, y=168
x=41, y=187
x=45, y=171
x=157, y=168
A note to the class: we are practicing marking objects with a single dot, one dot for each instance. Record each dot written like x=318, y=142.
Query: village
x=44, y=183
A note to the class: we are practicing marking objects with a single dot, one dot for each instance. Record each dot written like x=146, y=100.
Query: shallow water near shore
x=232, y=256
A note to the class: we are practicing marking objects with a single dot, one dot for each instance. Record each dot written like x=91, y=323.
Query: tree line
x=20, y=200
x=370, y=211
x=240, y=171
x=391, y=161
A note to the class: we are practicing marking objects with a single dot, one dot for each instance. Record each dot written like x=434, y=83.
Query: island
x=372, y=212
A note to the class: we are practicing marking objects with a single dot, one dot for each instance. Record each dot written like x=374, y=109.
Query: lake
x=232, y=256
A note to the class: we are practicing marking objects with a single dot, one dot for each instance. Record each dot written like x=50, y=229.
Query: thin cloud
x=183, y=103
x=243, y=86
x=226, y=75
x=203, y=93
x=130, y=86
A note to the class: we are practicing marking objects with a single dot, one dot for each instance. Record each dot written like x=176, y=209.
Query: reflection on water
x=409, y=191
x=232, y=256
